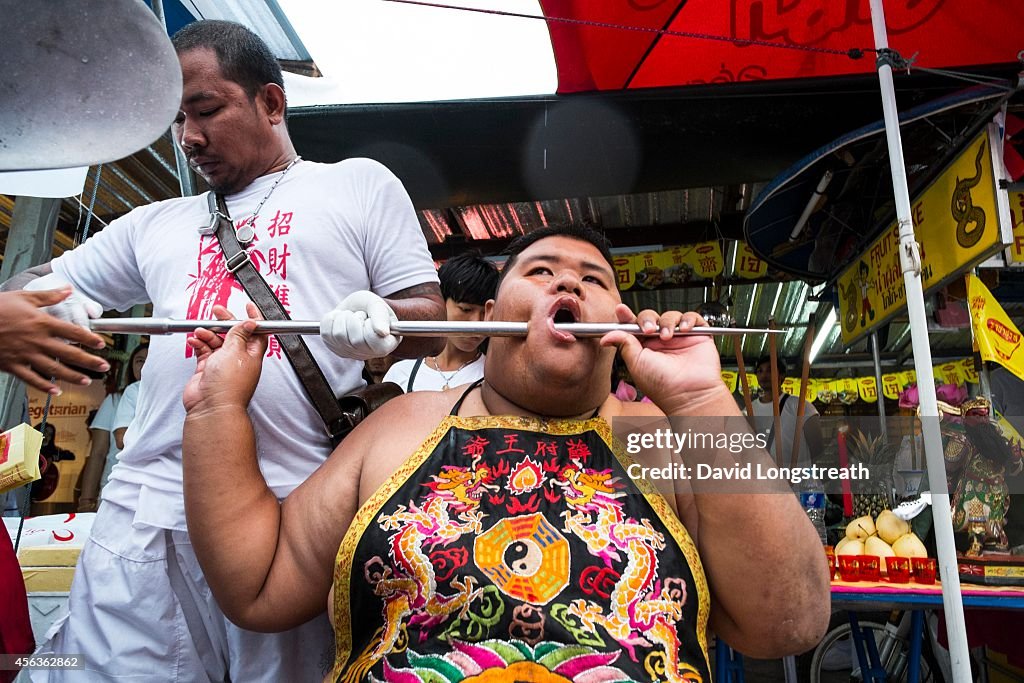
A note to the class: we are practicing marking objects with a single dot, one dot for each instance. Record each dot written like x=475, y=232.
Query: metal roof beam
x=108, y=210
x=138, y=168
x=163, y=162
x=147, y=198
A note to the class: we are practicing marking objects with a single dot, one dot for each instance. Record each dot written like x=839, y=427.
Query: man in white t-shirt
x=810, y=440
x=140, y=607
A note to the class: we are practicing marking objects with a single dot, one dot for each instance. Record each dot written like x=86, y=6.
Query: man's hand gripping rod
x=405, y=328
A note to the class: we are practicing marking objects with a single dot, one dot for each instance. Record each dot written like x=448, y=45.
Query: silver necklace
x=448, y=378
x=245, y=231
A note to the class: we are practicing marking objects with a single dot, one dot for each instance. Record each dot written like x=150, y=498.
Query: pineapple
x=875, y=494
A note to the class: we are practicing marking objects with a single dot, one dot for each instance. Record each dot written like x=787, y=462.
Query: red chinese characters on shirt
x=280, y=224
x=282, y=293
x=212, y=285
x=274, y=348
x=275, y=260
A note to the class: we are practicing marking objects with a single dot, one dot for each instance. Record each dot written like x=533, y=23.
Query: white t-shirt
x=104, y=420
x=126, y=408
x=125, y=412
x=787, y=426
x=326, y=231
x=429, y=379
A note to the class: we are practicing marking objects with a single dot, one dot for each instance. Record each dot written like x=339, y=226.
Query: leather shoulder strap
x=240, y=265
x=412, y=375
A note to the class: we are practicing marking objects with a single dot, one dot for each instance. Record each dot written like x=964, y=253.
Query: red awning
x=601, y=51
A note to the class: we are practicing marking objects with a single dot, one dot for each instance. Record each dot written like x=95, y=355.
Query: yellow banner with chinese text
x=731, y=379
x=625, y=274
x=748, y=265
x=868, y=389
x=669, y=267
x=949, y=373
x=812, y=389
x=907, y=377
x=864, y=388
x=891, y=386
x=967, y=370
x=998, y=339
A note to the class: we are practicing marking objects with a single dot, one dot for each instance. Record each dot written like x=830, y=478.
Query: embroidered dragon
x=635, y=616
x=410, y=591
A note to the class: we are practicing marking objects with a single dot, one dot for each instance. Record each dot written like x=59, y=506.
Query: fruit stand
x=885, y=545
x=881, y=565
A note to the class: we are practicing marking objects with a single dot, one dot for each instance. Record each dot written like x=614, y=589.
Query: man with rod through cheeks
x=492, y=530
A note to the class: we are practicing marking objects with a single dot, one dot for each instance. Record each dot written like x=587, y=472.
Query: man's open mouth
x=565, y=310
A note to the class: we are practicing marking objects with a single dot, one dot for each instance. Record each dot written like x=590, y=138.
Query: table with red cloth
x=994, y=614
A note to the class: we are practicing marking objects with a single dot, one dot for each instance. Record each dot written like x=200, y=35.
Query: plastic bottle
x=812, y=498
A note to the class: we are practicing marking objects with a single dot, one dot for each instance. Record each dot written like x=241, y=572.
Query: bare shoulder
x=403, y=419
x=393, y=432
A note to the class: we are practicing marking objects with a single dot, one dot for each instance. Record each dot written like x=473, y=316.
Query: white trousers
x=127, y=618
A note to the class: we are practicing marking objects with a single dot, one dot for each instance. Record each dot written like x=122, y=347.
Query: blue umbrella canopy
x=818, y=214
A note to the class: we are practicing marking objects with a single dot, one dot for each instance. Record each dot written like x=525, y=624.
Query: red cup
x=870, y=567
x=898, y=568
x=849, y=567
x=925, y=569
x=831, y=566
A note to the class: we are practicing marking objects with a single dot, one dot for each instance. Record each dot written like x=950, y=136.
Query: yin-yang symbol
x=523, y=557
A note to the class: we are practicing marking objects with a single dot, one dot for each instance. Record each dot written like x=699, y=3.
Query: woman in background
x=105, y=447
x=467, y=282
x=126, y=408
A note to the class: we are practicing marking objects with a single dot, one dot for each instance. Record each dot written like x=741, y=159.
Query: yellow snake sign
x=957, y=222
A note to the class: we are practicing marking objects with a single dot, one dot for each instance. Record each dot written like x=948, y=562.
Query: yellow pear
x=843, y=541
x=861, y=528
x=909, y=545
x=852, y=546
x=890, y=527
x=876, y=546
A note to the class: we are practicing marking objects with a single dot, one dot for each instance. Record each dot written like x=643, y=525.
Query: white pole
x=910, y=261
x=876, y=357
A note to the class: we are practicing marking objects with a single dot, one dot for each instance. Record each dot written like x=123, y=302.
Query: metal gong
x=82, y=82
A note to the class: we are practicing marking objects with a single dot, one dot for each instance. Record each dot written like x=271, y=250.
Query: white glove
x=360, y=327
x=77, y=308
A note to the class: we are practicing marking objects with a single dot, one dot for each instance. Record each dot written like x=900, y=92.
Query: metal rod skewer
x=405, y=328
